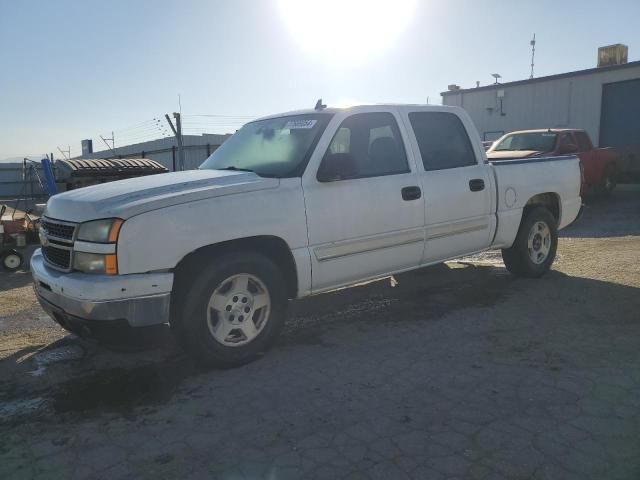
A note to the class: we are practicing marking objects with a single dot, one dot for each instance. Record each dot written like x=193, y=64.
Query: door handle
x=476, y=184
x=411, y=193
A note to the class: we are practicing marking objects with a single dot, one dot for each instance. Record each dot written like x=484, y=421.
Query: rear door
x=456, y=184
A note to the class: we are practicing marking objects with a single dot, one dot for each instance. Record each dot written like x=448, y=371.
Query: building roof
x=577, y=73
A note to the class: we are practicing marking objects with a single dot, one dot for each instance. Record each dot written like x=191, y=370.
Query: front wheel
x=534, y=249
x=234, y=309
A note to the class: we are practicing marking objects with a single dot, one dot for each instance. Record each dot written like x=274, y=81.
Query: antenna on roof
x=320, y=105
x=533, y=53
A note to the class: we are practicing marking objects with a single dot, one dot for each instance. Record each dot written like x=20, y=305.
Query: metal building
x=605, y=101
x=165, y=150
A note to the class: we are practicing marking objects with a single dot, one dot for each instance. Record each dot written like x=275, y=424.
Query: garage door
x=619, y=120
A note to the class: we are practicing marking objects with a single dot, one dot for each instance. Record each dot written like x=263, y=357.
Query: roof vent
x=612, y=55
x=453, y=87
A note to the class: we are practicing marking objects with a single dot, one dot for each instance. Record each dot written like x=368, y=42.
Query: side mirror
x=567, y=149
x=337, y=166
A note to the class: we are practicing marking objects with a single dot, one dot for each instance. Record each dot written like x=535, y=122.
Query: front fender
x=159, y=239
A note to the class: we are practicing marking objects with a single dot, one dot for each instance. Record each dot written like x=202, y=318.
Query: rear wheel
x=534, y=249
x=12, y=261
x=233, y=310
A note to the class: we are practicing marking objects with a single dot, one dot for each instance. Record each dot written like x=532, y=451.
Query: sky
x=75, y=69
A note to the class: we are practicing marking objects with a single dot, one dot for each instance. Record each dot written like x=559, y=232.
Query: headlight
x=94, y=263
x=95, y=249
x=103, y=231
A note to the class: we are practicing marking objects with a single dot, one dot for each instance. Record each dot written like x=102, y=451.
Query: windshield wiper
x=233, y=168
x=237, y=169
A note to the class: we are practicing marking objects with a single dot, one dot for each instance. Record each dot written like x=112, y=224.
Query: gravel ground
x=455, y=371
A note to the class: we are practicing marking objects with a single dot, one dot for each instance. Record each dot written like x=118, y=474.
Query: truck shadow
x=108, y=381
x=430, y=293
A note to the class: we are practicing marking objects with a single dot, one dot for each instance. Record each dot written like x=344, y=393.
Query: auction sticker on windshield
x=298, y=124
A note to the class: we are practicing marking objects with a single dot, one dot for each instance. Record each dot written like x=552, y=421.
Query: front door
x=365, y=213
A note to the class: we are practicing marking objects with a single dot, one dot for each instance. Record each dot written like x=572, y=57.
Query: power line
x=153, y=131
x=135, y=125
x=140, y=139
x=155, y=128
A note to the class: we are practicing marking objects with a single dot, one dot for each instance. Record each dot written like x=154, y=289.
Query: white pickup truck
x=293, y=205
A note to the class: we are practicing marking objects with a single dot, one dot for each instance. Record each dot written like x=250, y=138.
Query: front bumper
x=78, y=299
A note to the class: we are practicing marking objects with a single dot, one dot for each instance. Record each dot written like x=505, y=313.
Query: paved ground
x=459, y=371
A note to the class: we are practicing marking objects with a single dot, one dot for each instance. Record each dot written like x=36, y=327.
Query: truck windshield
x=276, y=147
x=538, y=141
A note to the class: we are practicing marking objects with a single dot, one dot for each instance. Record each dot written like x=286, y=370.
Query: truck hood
x=511, y=154
x=127, y=198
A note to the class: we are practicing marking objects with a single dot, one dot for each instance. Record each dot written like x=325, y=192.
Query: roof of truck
x=334, y=110
x=548, y=130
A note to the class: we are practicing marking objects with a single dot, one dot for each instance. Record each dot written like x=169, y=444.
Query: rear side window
x=566, y=139
x=584, y=144
x=442, y=139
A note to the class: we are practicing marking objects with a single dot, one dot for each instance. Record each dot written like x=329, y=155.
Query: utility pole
x=177, y=132
x=113, y=143
x=65, y=153
x=533, y=53
x=112, y=140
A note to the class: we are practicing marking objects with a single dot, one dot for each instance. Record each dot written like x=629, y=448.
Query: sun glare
x=341, y=31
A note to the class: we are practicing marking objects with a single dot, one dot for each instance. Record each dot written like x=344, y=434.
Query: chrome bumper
x=138, y=312
x=55, y=292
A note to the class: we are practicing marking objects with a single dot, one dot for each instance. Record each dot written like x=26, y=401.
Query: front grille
x=59, y=230
x=57, y=257
x=58, y=244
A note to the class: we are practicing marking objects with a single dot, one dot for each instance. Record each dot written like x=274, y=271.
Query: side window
x=365, y=145
x=442, y=139
x=341, y=141
x=584, y=144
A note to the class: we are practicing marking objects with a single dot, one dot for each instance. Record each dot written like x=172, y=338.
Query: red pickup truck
x=598, y=165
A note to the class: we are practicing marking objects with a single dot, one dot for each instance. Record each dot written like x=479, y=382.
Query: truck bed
x=517, y=181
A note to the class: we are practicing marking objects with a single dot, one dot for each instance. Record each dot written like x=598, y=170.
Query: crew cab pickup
x=599, y=165
x=293, y=205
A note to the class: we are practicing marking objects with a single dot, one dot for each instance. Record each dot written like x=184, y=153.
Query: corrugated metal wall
x=571, y=101
x=12, y=184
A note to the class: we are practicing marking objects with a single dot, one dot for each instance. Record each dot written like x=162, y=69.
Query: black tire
x=12, y=260
x=518, y=259
x=190, y=323
x=610, y=180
